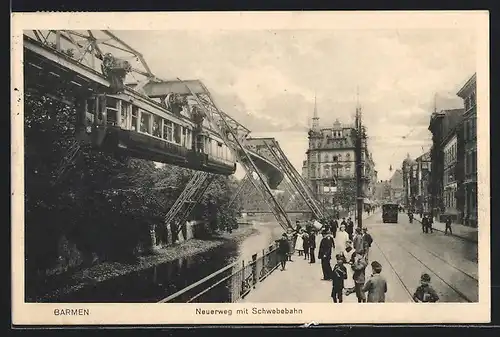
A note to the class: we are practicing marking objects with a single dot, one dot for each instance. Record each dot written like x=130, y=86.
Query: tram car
x=143, y=129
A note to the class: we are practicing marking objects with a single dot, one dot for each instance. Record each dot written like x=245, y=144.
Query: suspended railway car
x=136, y=127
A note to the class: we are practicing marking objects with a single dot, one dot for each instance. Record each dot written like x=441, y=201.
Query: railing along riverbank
x=231, y=283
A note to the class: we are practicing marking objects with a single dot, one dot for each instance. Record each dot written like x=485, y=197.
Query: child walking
x=376, y=286
x=425, y=293
x=339, y=274
x=359, y=266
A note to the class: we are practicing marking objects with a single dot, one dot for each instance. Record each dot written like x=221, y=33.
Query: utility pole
x=359, y=162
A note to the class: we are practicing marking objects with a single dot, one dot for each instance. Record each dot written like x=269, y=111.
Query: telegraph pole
x=359, y=163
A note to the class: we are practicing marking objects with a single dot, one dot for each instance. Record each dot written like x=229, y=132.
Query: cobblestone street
x=404, y=252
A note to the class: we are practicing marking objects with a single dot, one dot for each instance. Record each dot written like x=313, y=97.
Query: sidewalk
x=461, y=231
x=301, y=282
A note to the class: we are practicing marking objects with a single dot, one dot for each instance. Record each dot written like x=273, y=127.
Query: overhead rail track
x=80, y=62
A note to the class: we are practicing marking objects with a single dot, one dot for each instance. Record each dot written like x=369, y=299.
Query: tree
x=105, y=204
x=346, y=194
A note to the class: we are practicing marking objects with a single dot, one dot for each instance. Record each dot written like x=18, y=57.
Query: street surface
x=404, y=252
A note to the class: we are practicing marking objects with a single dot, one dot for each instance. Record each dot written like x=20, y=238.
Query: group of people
x=427, y=222
x=351, y=252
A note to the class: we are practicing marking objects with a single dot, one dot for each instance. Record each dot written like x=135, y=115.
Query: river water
x=153, y=284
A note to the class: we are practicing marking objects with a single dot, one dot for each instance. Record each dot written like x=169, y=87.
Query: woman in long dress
x=299, y=243
x=340, y=240
x=348, y=260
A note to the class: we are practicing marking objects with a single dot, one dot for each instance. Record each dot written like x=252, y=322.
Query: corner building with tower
x=330, y=165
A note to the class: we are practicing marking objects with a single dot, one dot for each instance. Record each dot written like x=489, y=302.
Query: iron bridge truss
x=90, y=49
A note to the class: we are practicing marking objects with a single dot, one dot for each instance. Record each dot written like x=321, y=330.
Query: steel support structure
x=295, y=178
x=190, y=196
x=243, y=184
x=234, y=134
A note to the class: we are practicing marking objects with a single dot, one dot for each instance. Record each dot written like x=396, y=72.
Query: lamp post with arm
x=337, y=165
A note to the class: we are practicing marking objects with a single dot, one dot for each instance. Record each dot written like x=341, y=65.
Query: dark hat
x=376, y=266
x=425, y=277
x=339, y=256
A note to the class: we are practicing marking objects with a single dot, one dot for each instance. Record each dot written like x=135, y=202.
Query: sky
x=267, y=80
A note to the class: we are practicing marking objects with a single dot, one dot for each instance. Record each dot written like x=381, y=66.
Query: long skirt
x=349, y=282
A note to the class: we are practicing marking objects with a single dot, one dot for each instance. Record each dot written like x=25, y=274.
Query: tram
x=390, y=212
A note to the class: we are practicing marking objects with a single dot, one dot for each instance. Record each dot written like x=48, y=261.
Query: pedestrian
x=367, y=242
x=343, y=222
x=430, y=221
x=357, y=241
x=299, y=243
x=340, y=240
x=448, y=225
x=424, y=292
x=312, y=246
x=283, y=249
x=359, y=267
x=339, y=274
x=305, y=245
x=350, y=228
x=376, y=286
x=348, y=255
x=425, y=224
x=325, y=255
x=291, y=246
x=335, y=226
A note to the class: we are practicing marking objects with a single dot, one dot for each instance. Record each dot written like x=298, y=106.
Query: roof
x=425, y=157
x=471, y=82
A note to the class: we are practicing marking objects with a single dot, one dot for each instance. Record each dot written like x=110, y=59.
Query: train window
x=124, y=115
x=135, y=113
x=220, y=150
x=145, y=120
x=157, y=126
x=177, y=133
x=188, y=138
x=184, y=137
x=112, y=110
x=168, y=130
x=208, y=146
x=90, y=113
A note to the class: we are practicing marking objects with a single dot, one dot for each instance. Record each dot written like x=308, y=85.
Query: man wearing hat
x=357, y=241
x=325, y=254
x=367, y=241
x=376, y=286
x=425, y=293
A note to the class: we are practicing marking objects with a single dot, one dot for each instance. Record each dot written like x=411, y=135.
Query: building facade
x=447, y=164
x=330, y=165
x=450, y=182
x=397, y=187
x=468, y=94
x=423, y=178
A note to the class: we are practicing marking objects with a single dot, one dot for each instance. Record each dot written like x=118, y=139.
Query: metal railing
x=231, y=283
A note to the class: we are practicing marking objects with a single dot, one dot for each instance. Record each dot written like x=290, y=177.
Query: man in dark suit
x=325, y=255
x=312, y=246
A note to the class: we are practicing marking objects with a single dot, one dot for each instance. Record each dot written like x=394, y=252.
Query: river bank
x=69, y=283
